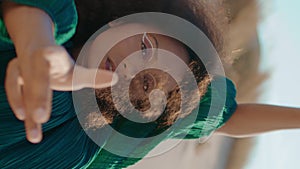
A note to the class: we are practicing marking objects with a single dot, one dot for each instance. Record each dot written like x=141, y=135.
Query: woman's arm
x=42, y=66
x=252, y=119
x=31, y=30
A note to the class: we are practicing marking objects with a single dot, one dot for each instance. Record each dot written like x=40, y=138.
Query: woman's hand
x=41, y=66
x=30, y=80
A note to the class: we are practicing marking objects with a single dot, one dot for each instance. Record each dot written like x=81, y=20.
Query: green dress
x=65, y=144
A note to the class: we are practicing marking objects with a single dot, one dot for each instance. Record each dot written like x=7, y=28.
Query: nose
x=127, y=70
x=131, y=66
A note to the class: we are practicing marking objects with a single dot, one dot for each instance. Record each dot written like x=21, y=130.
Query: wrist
x=29, y=28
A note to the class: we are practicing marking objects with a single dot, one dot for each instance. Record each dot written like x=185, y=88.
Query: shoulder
x=62, y=12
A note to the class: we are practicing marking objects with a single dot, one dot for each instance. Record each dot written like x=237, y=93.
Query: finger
x=82, y=77
x=13, y=89
x=61, y=63
x=33, y=130
x=37, y=92
x=94, y=78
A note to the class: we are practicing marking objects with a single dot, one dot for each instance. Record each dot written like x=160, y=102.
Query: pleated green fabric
x=202, y=126
x=65, y=143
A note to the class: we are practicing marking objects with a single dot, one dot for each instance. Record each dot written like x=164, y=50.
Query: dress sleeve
x=206, y=123
x=62, y=12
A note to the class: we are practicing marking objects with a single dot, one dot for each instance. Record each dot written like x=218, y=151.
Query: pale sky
x=280, y=37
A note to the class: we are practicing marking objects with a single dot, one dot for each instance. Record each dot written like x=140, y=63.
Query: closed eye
x=109, y=65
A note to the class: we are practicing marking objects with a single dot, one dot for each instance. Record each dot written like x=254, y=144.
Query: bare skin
x=40, y=67
x=252, y=119
x=43, y=66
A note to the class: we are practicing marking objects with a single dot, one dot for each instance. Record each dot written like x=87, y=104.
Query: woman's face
x=144, y=46
x=152, y=91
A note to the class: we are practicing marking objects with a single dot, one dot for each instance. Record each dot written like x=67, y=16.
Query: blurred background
x=279, y=34
x=265, y=38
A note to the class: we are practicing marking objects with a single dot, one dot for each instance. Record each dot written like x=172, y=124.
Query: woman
x=65, y=144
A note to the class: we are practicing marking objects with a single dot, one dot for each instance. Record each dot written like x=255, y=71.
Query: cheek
x=170, y=85
x=164, y=81
x=102, y=64
x=123, y=49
